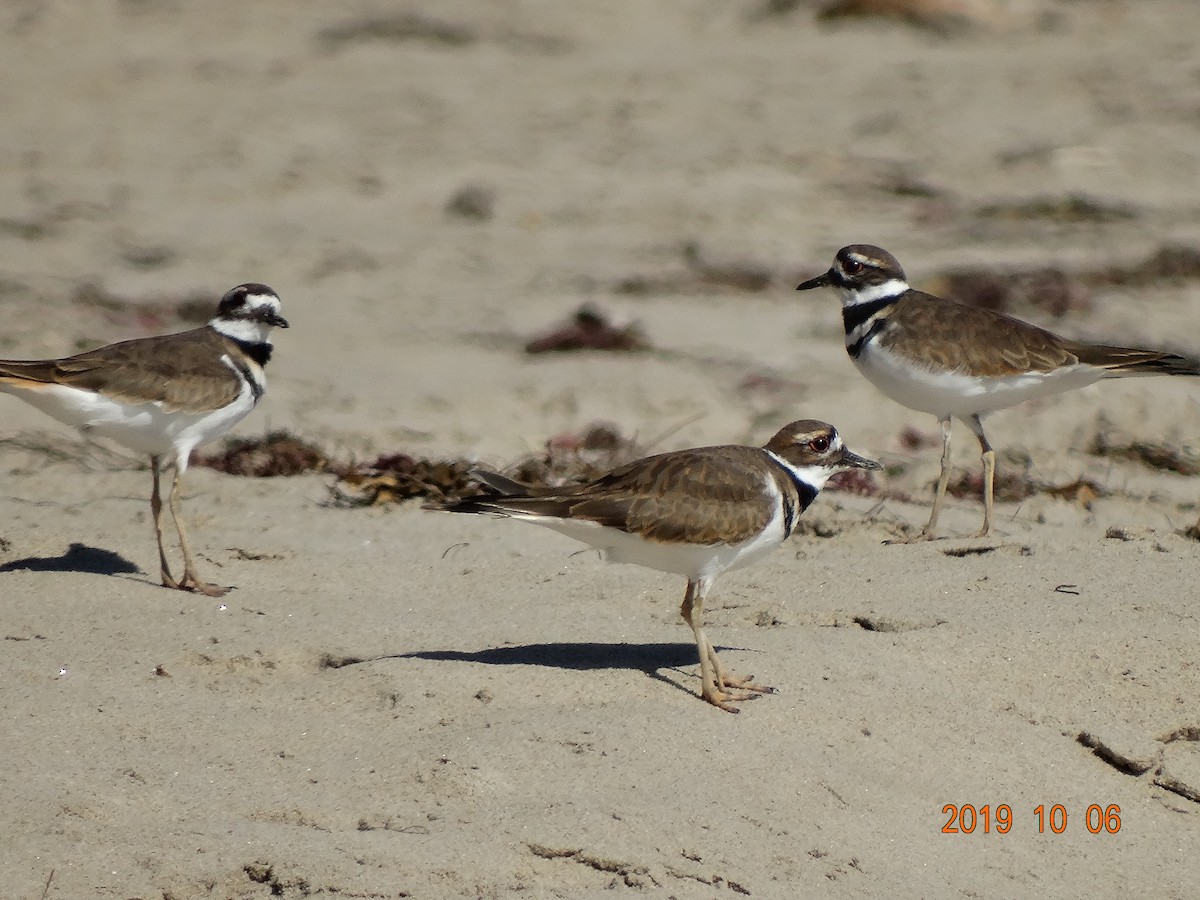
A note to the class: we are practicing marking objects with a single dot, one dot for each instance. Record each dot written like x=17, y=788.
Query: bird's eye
x=819, y=444
x=852, y=266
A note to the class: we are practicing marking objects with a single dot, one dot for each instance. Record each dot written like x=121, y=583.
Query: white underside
x=145, y=428
x=962, y=395
x=690, y=560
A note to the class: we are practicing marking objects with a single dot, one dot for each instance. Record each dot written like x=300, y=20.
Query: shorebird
x=952, y=360
x=695, y=513
x=162, y=396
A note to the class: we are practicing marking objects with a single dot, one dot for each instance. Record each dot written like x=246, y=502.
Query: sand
x=399, y=703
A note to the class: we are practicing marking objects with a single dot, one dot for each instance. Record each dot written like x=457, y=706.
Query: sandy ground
x=399, y=703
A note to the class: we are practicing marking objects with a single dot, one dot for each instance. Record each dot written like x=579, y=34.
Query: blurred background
x=430, y=186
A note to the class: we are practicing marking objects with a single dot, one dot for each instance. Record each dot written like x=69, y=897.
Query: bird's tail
x=501, y=484
x=482, y=504
x=1125, y=361
x=26, y=373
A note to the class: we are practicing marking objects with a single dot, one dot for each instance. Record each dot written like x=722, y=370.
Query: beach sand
x=401, y=703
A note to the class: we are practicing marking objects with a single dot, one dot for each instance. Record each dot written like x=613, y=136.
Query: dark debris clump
x=566, y=459
x=396, y=477
x=1013, y=487
x=1183, y=460
x=589, y=329
x=577, y=458
x=279, y=453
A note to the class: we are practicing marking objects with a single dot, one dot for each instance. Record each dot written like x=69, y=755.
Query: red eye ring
x=819, y=444
x=852, y=266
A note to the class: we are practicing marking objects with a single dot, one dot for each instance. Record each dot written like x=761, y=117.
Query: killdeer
x=162, y=396
x=695, y=513
x=944, y=357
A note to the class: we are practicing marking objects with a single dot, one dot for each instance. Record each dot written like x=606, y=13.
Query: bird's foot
x=721, y=696
x=723, y=699
x=742, y=683
x=189, y=582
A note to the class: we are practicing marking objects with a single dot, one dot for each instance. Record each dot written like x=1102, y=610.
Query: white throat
x=246, y=331
x=893, y=287
x=814, y=476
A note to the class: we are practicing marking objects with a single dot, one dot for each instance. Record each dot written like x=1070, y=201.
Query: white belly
x=690, y=560
x=143, y=428
x=959, y=394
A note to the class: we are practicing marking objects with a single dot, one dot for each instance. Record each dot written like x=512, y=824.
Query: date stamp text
x=1054, y=818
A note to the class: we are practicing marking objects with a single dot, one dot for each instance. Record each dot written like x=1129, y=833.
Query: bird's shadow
x=647, y=658
x=577, y=656
x=77, y=558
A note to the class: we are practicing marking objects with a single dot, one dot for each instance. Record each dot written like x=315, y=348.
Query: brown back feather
x=944, y=333
x=177, y=370
x=671, y=498
x=948, y=334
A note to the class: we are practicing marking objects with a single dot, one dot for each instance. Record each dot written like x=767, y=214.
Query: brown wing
x=179, y=370
x=948, y=334
x=699, y=496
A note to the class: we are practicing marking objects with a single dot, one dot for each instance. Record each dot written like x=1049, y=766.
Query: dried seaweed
x=397, y=477
x=278, y=453
x=1007, y=487
x=566, y=459
x=1082, y=491
x=577, y=458
x=589, y=329
x=1013, y=487
x=1182, y=459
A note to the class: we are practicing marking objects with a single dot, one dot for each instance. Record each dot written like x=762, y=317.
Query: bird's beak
x=854, y=461
x=819, y=281
x=277, y=320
